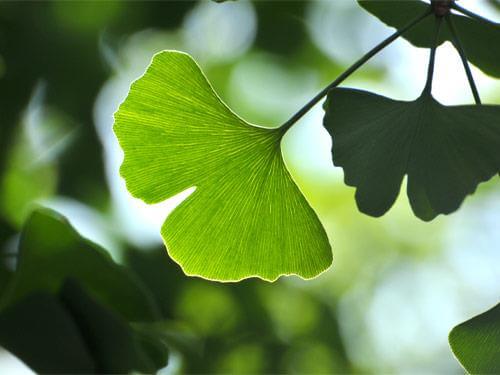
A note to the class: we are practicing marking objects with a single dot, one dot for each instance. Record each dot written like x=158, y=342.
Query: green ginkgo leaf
x=445, y=151
x=480, y=40
x=476, y=342
x=246, y=216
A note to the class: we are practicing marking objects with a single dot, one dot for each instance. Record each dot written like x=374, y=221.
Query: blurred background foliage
x=397, y=285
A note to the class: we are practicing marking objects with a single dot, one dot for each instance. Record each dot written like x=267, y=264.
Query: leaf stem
x=470, y=14
x=298, y=115
x=463, y=57
x=432, y=57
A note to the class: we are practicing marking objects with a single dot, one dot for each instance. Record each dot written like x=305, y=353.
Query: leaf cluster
x=247, y=217
x=85, y=305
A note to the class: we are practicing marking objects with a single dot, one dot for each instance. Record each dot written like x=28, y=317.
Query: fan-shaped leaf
x=481, y=40
x=445, y=151
x=246, y=217
x=476, y=342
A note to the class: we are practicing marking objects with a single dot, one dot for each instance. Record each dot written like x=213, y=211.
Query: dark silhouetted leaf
x=481, y=40
x=445, y=151
x=476, y=342
x=246, y=217
x=72, y=333
x=51, y=250
x=42, y=333
x=112, y=342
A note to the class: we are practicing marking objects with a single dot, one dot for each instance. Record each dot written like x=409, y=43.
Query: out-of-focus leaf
x=164, y=334
x=279, y=21
x=51, y=250
x=43, y=334
x=495, y=4
x=476, y=342
x=30, y=172
x=72, y=333
x=481, y=40
x=246, y=218
x=113, y=344
x=445, y=151
x=25, y=179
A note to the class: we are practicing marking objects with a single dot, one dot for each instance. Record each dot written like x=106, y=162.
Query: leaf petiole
x=298, y=115
x=432, y=58
x=470, y=14
x=463, y=57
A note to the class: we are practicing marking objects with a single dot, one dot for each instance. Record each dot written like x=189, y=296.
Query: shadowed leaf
x=476, y=342
x=445, y=151
x=71, y=333
x=50, y=251
x=115, y=347
x=41, y=332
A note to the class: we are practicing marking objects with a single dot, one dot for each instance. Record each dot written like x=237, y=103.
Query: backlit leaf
x=246, y=217
x=481, y=40
x=476, y=342
x=445, y=151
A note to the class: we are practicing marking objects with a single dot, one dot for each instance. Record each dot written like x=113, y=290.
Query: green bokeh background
x=397, y=285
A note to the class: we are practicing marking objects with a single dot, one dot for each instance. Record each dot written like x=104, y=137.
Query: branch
x=463, y=57
x=432, y=57
x=471, y=14
x=297, y=116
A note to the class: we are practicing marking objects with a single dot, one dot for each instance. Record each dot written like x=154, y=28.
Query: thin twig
x=463, y=57
x=432, y=57
x=352, y=69
x=470, y=14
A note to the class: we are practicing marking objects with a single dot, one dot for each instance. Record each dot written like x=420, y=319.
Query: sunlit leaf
x=476, y=342
x=481, y=40
x=50, y=251
x=445, y=151
x=246, y=217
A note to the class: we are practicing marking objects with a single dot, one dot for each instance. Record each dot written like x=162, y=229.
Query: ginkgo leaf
x=445, y=151
x=246, y=216
x=476, y=342
x=480, y=40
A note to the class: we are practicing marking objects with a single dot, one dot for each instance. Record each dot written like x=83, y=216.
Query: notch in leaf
x=246, y=217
